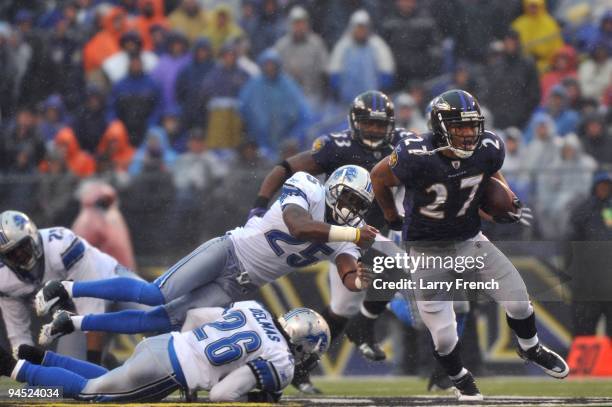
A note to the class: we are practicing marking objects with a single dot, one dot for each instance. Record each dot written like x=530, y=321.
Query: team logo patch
x=20, y=221
x=456, y=164
x=317, y=145
x=393, y=159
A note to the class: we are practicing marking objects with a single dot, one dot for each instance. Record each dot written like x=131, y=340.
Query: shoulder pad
x=491, y=139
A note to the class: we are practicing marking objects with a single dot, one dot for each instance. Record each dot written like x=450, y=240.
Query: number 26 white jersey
x=243, y=334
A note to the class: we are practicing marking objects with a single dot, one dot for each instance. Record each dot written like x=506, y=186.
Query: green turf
x=497, y=386
x=409, y=386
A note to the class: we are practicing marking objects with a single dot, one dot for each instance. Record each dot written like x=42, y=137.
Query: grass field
x=403, y=391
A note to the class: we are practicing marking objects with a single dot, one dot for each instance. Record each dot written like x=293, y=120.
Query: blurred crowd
x=169, y=98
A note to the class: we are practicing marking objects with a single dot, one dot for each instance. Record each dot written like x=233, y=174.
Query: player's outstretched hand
x=367, y=234
x=365, y=276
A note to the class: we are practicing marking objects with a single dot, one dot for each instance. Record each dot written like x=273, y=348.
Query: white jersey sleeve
x=70, y=257
x=16, y=315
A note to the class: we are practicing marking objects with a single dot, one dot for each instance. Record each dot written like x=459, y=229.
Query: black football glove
x=521, y=215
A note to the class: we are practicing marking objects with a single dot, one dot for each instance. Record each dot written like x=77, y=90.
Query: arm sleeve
x=16, y=315
x=274, y=373
x=234, y=386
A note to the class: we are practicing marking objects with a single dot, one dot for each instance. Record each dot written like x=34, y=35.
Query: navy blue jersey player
x=445, y=171
x=372, y=135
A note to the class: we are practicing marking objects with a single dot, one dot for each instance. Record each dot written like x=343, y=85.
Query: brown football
x=497, y=198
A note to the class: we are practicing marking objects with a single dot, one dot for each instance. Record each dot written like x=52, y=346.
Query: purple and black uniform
x=444, y=194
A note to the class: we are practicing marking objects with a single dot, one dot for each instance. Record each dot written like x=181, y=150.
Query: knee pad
x=445, y=337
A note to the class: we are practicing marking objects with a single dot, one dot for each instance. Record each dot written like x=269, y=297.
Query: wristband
x=261, y=202
x=343, y=234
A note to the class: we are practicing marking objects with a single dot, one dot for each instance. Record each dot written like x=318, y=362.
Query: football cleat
x=60, y=326
x=51, y=297
x=466, y=389
x=372, y=351
x=361, y=333
x=439, y=380
x=547, y=360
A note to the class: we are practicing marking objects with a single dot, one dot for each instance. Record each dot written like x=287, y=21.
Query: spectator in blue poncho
x=565, y=119
x=360, y=61
x=136, y=101
x=273, y=106
x=154, y=154
x=189, y=82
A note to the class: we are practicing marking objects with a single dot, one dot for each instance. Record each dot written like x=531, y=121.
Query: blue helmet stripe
x=374, y=102
x=463, y=103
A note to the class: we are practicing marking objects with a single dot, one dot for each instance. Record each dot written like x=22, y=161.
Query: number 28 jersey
x=443, y=194
x=264, y=245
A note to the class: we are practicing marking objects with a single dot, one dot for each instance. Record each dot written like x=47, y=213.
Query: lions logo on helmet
x=308, y=332
x=349, y=194
x=20, y=245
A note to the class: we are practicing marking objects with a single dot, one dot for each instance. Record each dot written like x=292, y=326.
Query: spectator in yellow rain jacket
x=540, y=34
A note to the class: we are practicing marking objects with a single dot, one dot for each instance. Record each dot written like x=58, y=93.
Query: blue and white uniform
x=66, y=256
x=238, y=350
x=221, y=270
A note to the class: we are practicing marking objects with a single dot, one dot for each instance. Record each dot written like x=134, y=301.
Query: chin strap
x=430, y=152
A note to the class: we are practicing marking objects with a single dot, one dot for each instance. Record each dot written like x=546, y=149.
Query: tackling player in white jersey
x=31, y=257
x=238, y=350
x=309, y=222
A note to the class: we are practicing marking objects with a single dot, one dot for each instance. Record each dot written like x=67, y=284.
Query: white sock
x=367, y=313
x=458, y=376
x=76, y=321
x=17, y=368
x=526, y=344
x=68, y=286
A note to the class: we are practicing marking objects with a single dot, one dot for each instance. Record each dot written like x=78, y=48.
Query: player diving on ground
x=241, y=353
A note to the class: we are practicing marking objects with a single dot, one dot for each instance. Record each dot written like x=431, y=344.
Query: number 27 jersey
x=443, y=194
x=264, y=245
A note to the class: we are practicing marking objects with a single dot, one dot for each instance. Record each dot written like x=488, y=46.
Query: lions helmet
x=308, y=332
x=457, y=108
x=349, y=194
x=372, y=119
x=20, y=244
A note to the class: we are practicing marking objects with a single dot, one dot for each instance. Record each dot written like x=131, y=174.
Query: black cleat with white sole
x=52, y=297
x=547, y=360
x=466, y=389
x=60, y=326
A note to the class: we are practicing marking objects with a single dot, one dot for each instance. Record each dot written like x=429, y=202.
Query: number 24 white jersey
x=267, y=250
